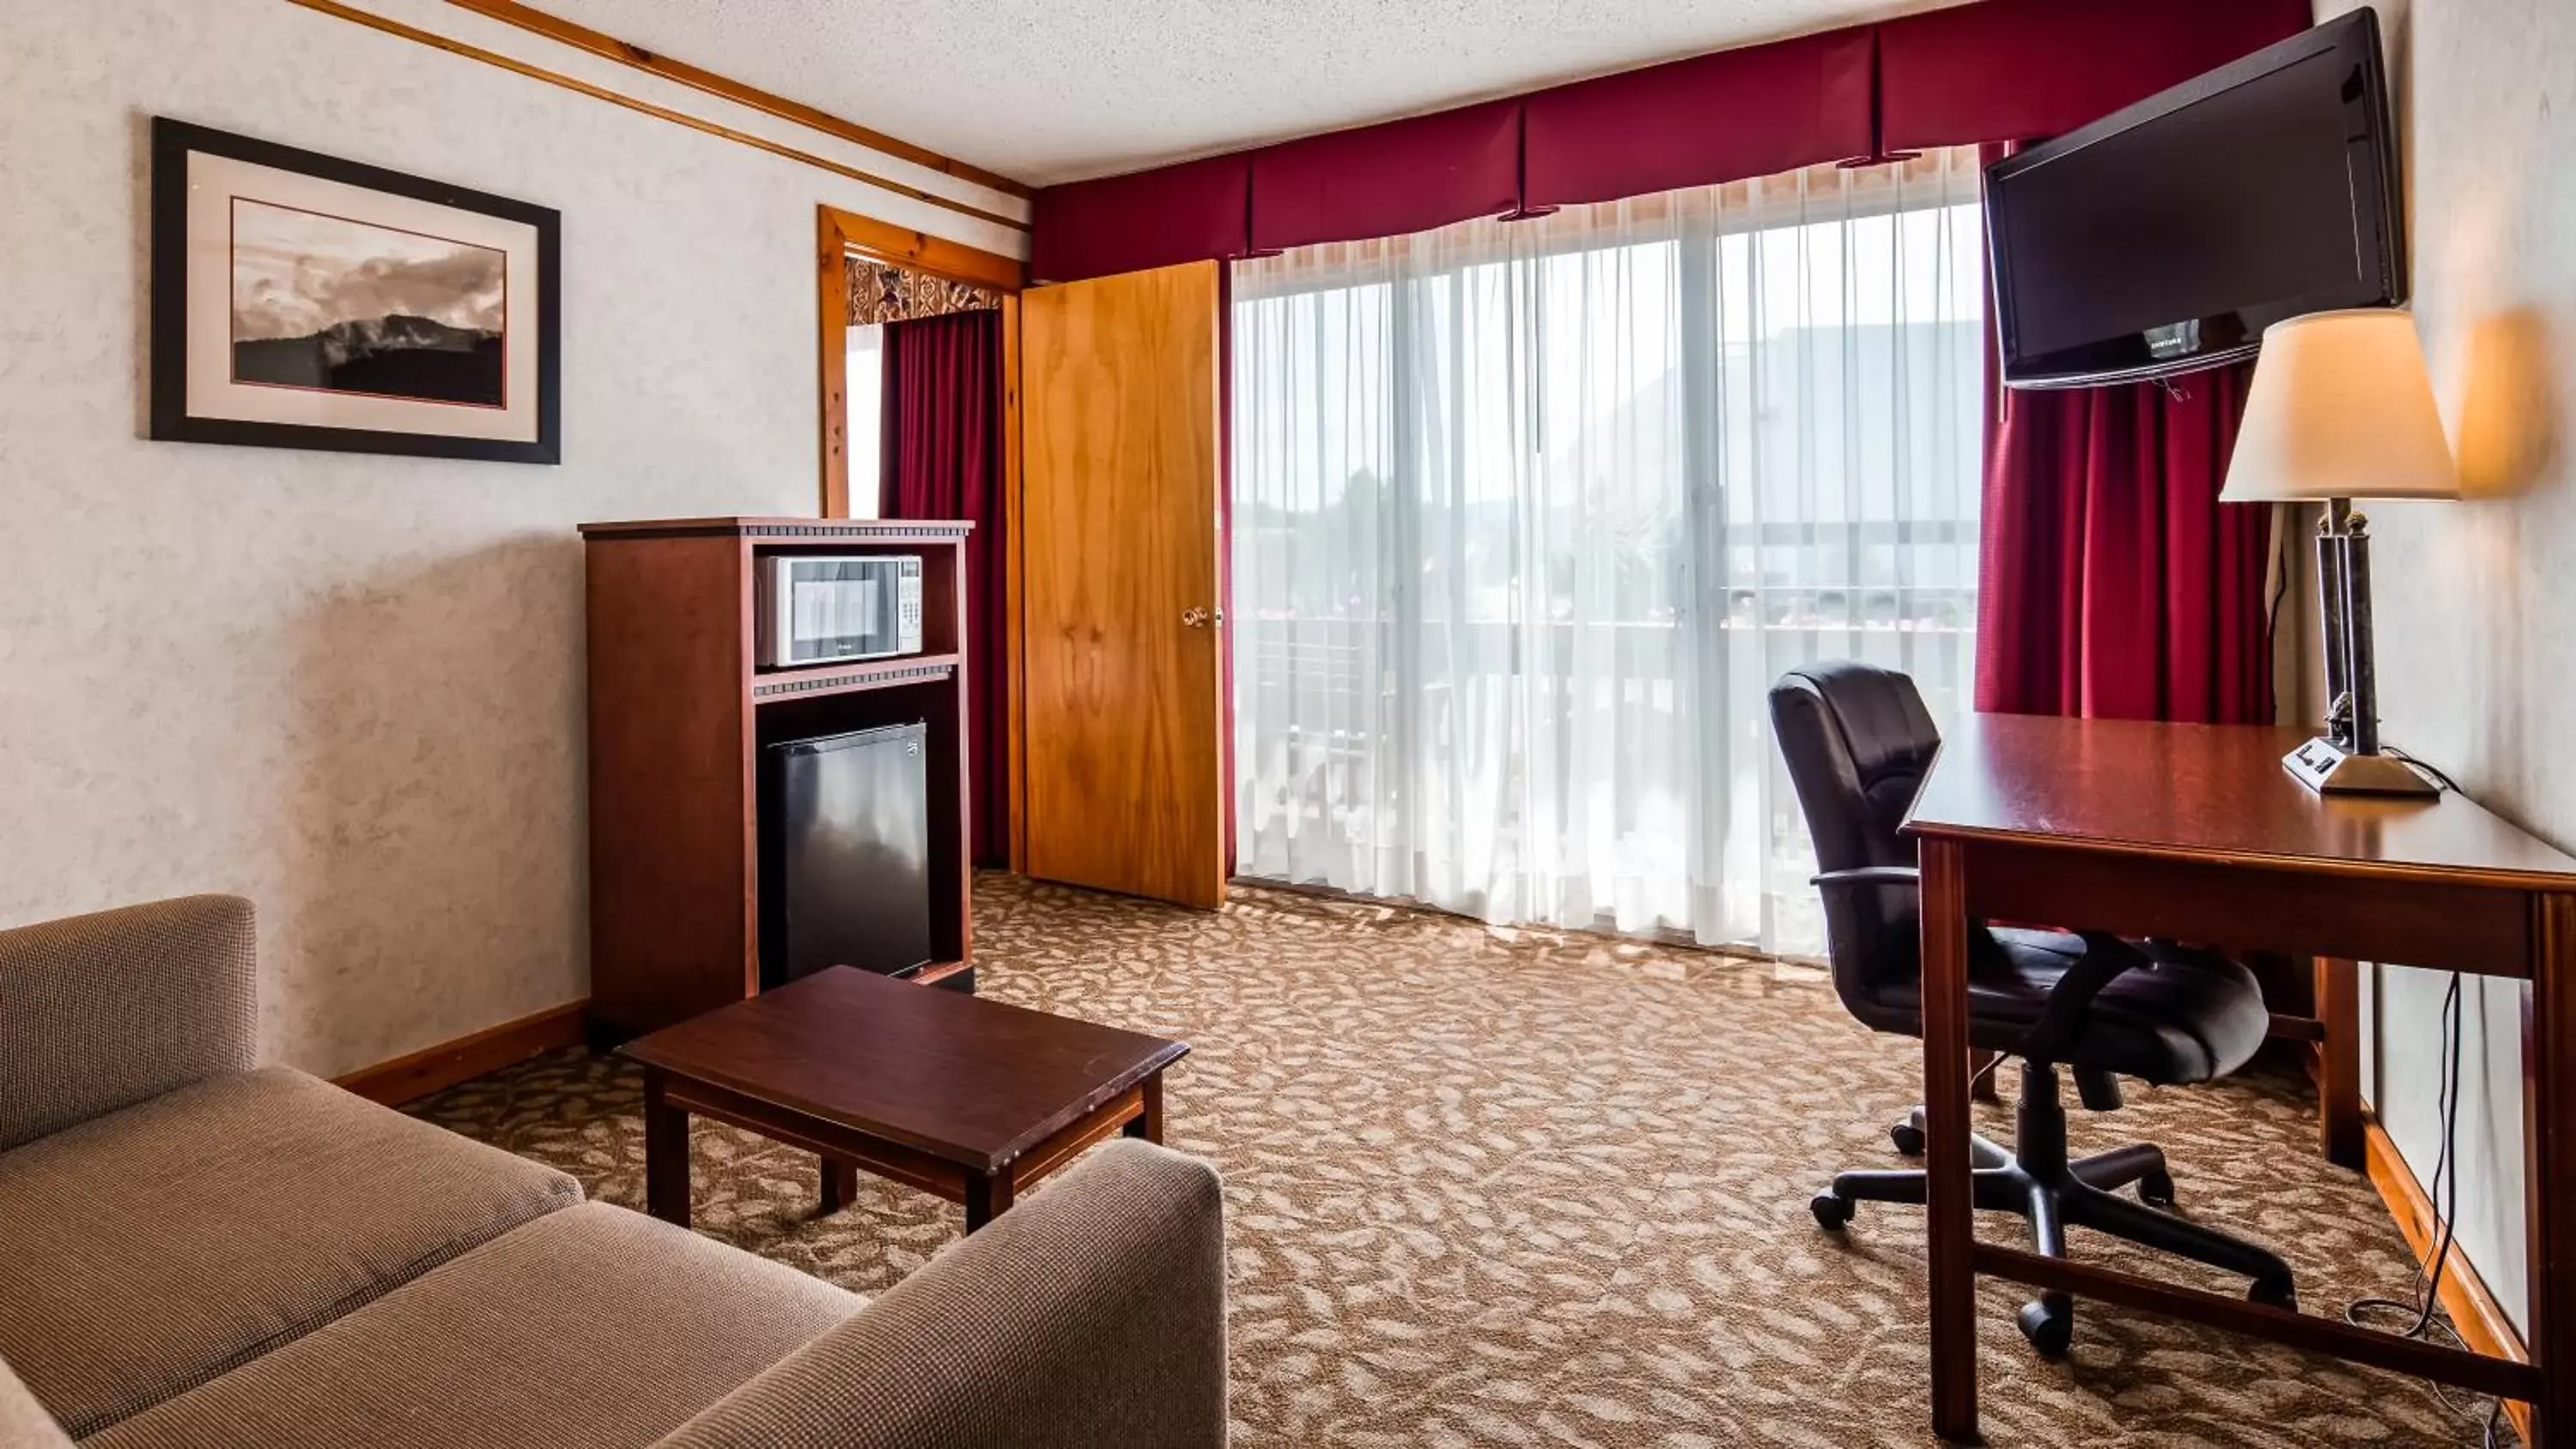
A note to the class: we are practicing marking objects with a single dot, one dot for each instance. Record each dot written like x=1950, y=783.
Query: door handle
x=1194, y=618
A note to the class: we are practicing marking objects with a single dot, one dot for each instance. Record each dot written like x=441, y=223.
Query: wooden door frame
x=840, y=235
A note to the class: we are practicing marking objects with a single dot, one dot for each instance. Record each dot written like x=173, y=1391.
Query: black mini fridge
x=844, y=854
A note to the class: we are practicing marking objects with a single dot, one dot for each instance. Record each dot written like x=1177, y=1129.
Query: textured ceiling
x=1056, y=90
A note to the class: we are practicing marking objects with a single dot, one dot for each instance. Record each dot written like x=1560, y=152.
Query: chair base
x=2036, y=1181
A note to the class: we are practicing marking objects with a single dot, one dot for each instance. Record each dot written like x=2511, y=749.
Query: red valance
x=1721, y=117
x=1172, y=214
x=1993, y=70
x=2016, y=70
x=1386, y=180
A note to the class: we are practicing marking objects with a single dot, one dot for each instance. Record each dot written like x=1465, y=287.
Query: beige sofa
x=198, y=1251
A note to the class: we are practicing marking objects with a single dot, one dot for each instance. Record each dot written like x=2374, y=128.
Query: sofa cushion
x=593, y=1327
x=154, y=1248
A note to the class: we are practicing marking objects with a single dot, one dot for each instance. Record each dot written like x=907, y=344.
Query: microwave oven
x=835, y=609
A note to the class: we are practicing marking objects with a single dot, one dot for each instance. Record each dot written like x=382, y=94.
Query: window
x=865, y=393
x=1528, y=515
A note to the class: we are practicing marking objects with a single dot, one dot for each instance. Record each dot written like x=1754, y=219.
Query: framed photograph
x=300, y=301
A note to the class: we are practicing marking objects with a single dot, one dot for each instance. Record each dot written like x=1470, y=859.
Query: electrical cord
x=2420, y=767
x=1984, y=1072
x=2445, y=1194
x=2425, y=1322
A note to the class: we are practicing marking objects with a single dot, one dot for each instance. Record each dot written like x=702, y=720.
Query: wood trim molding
x=832, y=361
x=453, y=46
x=839, y=235
x=582, y=37
x=430, y=1069
x=919, y=251
x=2473, y=1309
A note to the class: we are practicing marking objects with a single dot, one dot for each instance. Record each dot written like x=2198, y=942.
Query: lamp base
x=2330, y=769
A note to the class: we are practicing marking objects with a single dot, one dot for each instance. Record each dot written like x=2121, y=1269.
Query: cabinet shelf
x=817, y=680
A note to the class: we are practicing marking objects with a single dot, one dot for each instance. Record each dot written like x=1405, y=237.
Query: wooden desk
x=2194, y=832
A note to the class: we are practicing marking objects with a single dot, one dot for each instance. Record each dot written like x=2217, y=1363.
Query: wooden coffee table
x=956, y=1095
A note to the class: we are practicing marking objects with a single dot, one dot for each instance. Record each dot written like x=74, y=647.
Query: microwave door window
x=858, y=631
x=811, y=604
x=841, y=611
x=818, y=612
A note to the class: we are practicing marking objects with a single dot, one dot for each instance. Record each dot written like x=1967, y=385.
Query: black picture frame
x=173, y=141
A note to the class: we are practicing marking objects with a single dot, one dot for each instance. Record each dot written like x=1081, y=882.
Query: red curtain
x=2113, y=584
x=942, y=430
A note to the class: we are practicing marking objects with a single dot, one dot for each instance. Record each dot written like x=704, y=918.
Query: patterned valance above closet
x=882, y=293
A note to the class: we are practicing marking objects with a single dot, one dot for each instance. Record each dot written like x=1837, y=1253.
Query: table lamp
x=2342, y=408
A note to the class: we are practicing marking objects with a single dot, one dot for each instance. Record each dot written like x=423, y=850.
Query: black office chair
x=1858, y=742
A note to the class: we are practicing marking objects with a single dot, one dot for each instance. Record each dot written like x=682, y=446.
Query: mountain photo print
x=300, y=300
x=324, y=302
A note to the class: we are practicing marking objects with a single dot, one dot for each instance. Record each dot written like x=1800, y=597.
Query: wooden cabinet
x=679, y=712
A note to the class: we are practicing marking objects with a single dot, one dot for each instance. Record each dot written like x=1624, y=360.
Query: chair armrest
x=1090, y=1316
x=1905, y=875
x=102, y=1011
x=2061, y=1021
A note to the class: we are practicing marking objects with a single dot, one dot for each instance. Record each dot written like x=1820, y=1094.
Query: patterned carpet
x=1529, y=1188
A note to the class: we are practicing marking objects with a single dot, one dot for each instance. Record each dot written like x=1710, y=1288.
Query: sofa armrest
x=102, y=1011
x=1090, y=1316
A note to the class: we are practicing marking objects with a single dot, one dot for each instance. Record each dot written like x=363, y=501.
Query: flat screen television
x=2162, y=239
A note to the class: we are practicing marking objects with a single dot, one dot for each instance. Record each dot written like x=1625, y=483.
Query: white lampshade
x=2341, y=407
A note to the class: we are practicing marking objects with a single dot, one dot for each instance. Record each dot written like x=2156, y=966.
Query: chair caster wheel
x=1908, y=1138
x=1832, y=1213
x=2050, y=1329
x=2279, y=1293
x=2156, y=1190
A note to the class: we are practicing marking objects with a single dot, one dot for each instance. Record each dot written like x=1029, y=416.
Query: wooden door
x=1123, y=784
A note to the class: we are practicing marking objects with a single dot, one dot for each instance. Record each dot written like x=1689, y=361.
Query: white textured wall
x=349, y=687
x=2477, y=601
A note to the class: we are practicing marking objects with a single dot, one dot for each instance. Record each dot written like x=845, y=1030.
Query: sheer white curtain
x=1528, y=515
x=864, y=387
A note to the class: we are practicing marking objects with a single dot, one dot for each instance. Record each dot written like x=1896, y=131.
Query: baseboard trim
x=2473, y=1309
x=420, y=1073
